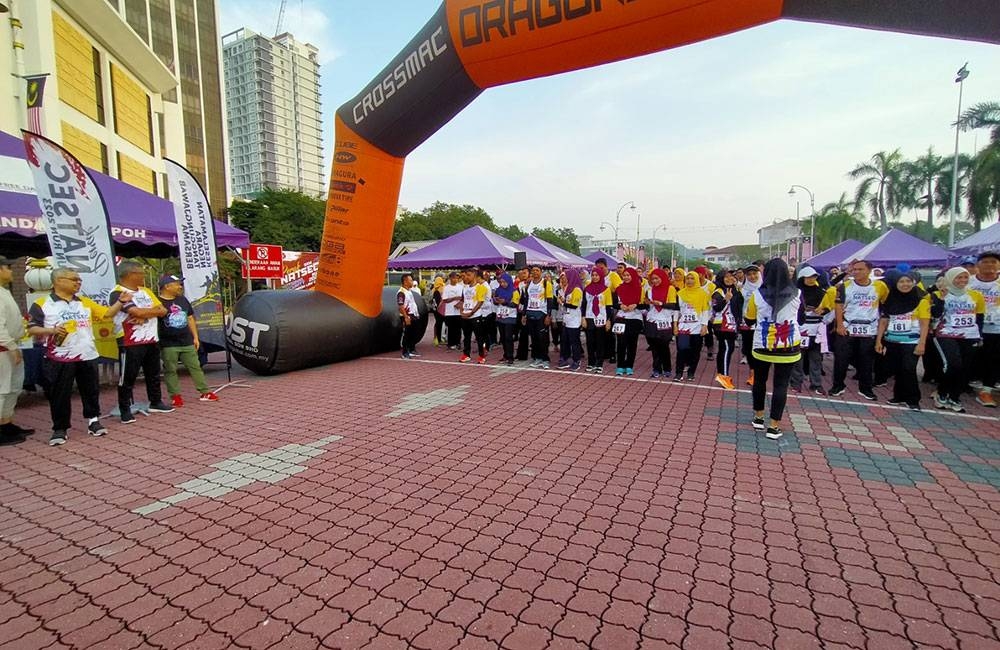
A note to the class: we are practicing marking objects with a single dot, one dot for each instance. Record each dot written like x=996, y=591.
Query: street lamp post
x=812, y=219
x=656, y=260
x=960, y=76
x=605, y=223
x=618, y=215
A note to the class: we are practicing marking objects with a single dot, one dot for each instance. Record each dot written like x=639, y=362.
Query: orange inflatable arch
x=465, y=48
x=471, y=45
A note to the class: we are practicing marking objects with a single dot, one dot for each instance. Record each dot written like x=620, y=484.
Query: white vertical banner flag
x=76, y=221
x=199, y=263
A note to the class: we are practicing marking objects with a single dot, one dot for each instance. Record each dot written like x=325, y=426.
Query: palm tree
x=984, y=115
x=983, y=192
x=919, y=175
x=881, y=186
x=840, y=220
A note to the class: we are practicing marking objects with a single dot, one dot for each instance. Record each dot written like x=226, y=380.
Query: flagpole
x=963, y=72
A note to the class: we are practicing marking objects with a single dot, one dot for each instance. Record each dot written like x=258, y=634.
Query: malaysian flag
x=35, y=94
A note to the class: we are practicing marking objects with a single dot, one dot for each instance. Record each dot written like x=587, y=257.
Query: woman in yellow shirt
x=904, y=322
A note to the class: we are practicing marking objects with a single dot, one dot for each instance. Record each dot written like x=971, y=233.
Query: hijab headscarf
x=776, y=287
x=438, y=283
x=949, y=280
x=661, y=292
x=594, y=289
x=630, y=293
x=505, y=294
x=898, y=302
x=691, y=295
x=574, y=280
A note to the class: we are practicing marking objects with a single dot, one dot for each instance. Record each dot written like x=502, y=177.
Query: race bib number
x=805, y=342
x=901, y=324
x=992, y=317
x=662, y=325
x=861, y=329
x=505, y=312
x=468, y=305
x=961, y=321
x=689, y=317
x=618, y=328
x=535, y=304
x=601, y=319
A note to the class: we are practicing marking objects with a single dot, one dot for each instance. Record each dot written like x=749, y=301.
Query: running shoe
x=208, y=397
x=160, y=407
x=127, y=417
x=773, y=433
x=575, y=366
x=750, y=379
x=414, y=354
x=870, y=396
x=986, y=399
x=956, y=406
x=97, y=429
x=58, y=438
x=629, y=372
x=896, y=402
x=481, y=360
x=655, y=375
x=464, y=358
x=837, y=391
x=667, y=374
x=678, y=379
x=758, y=423
x=619, y=372
x=563, y=364
x=818, y=390
x=690, y=378
x=941, y=403
x=177, y=401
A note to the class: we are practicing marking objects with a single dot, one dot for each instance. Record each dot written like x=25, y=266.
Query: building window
x=104, y=159
x=98, y=85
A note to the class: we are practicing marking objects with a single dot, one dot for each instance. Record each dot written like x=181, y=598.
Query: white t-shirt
x=452, y=291
x=991, y=295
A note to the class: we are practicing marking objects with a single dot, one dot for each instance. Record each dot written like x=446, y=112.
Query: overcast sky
x=705, y=139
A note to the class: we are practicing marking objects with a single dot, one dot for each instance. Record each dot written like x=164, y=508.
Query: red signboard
x=299, y=270
x=263, y=262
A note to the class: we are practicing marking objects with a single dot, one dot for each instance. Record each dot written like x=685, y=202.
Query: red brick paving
x=508, y=521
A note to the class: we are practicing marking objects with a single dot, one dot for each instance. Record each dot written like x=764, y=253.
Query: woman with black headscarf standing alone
x=776, y=311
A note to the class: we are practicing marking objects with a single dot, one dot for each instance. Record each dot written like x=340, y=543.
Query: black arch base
x=272, y=332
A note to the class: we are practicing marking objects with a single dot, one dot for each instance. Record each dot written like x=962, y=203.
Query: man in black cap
x=11, y=361
x=179, y=342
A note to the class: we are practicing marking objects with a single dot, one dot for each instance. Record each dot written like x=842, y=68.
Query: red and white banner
x=298, y=270
x=76, y=221
x=263, y=262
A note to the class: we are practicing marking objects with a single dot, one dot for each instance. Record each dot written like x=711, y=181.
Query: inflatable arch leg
x=465, y=48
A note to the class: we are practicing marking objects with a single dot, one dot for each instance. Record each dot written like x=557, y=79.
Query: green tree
x=919, y=176
x=512, y=232
x=984, y=179
x=943, y=187
x=564, y=238
x=290, y=219
x=881, y=186
x=438, y=221
x=840, y=220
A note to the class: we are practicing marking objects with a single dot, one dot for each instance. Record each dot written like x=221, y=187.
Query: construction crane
x=281, y=17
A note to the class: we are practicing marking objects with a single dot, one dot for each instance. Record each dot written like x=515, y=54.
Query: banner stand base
x=239, y=383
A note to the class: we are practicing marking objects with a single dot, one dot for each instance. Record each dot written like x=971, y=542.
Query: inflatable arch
x=465, y=48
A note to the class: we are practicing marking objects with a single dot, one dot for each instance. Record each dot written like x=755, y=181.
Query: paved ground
x=385, y=503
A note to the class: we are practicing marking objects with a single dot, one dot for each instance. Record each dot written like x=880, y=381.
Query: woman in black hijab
x=776, y=311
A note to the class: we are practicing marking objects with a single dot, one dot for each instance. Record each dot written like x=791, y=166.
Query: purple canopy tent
x=564, y=257
x=834, y=255
x=985, y=240
x=596, y=255
x=141, y=223
x=898, y=246
x=473, y=246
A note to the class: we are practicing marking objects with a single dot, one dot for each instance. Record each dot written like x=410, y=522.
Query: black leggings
x=956, y=357
x=507, y=339
x=779, y=392
x=901, y=363
x=454, y=324
x=727, y=346
x=473, y=327
x=597, y=340
x=688, y=357
x=438, y=326
x=628, y=342
x=660, y=347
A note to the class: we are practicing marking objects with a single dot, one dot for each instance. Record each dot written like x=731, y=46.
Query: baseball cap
x=969, y=259
x=168, y=279
x=807, y=272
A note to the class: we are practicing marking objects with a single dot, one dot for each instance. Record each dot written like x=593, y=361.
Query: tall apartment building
x=273, y=113
x=130, y=82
